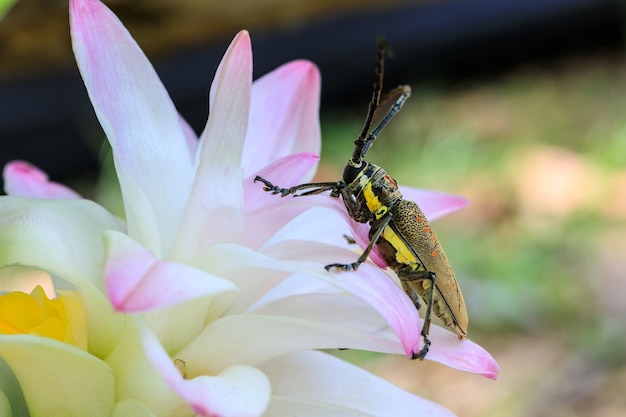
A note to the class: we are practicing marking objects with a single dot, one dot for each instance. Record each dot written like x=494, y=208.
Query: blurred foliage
x=5, y=5
x=540, y=253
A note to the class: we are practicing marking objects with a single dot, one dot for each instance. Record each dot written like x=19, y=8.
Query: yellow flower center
x=62, y=318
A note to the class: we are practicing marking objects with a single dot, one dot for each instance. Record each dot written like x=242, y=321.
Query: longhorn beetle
x=398, y=227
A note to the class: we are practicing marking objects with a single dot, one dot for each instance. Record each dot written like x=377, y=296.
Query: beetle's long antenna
x=359, y=143
x=405, y=92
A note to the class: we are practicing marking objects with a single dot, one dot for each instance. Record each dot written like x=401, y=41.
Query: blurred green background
x=537, y=144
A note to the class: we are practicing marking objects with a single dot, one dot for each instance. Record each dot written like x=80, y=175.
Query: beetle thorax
x=375, y=189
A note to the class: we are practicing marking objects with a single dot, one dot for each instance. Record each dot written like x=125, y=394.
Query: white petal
x=251, y=339
x=132, y=408
x=137, y=115
x=137, y=377
x=63, y=237
x=369, y=283
x=315, y=383
x=215, y=212
x=57, y=378
x=237, y=390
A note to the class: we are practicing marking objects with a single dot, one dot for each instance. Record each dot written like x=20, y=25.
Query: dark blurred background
x=44, y=110
x=518, y=105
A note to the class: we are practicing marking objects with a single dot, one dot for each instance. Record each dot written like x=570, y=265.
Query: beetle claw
x=423, y=351
x=343, y=267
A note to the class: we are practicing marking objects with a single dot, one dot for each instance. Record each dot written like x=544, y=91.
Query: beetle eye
x=350, y=172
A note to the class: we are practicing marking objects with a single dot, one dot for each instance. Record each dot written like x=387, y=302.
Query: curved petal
x=136, y=376
x=190, y=136
x=267, y=213
x=464, y=355
x=347, y=390
x=19, y=278
x=12, y=402
x=238, y=390
x=132, y=408
x=328, y=307
x=239, y=264
x=284, y=115
x=368, y=283
x=136, y=113
x=141, y=221
x=288, y=334
x=318, y=224
x=137, y=281
x=215, y=211
x=104, y=325
x=290, y=170
x=88, y=383
x=5, y=405
x=22, y=179
x=251, y=271
x=285, y=209
x=63, y=237
x=434, y=204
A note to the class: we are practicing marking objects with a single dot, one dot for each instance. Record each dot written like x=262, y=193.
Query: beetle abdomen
x=408, y=244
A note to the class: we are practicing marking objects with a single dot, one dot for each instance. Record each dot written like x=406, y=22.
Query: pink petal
x=360, y=234
x=138, y=281
x=237, y=391
x=434, y=204
x=315, y=383
x=267, y=213
x=464, y=355
x=369, y=284
x=215, y=212
x=138, y=117
x=22, y=179
x=351, y=315
x=284, y=115
x=287, y=171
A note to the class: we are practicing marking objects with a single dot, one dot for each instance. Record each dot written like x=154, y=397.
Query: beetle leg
x=408, y=277
x=313, y=188
x=353, y=206
x=354, y=265
x=349, y=239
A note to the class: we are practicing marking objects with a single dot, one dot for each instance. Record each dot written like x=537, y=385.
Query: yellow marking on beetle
x=373, y=203
x=404, y=254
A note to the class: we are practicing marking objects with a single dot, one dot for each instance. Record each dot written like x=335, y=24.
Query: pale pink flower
x=221, y=286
